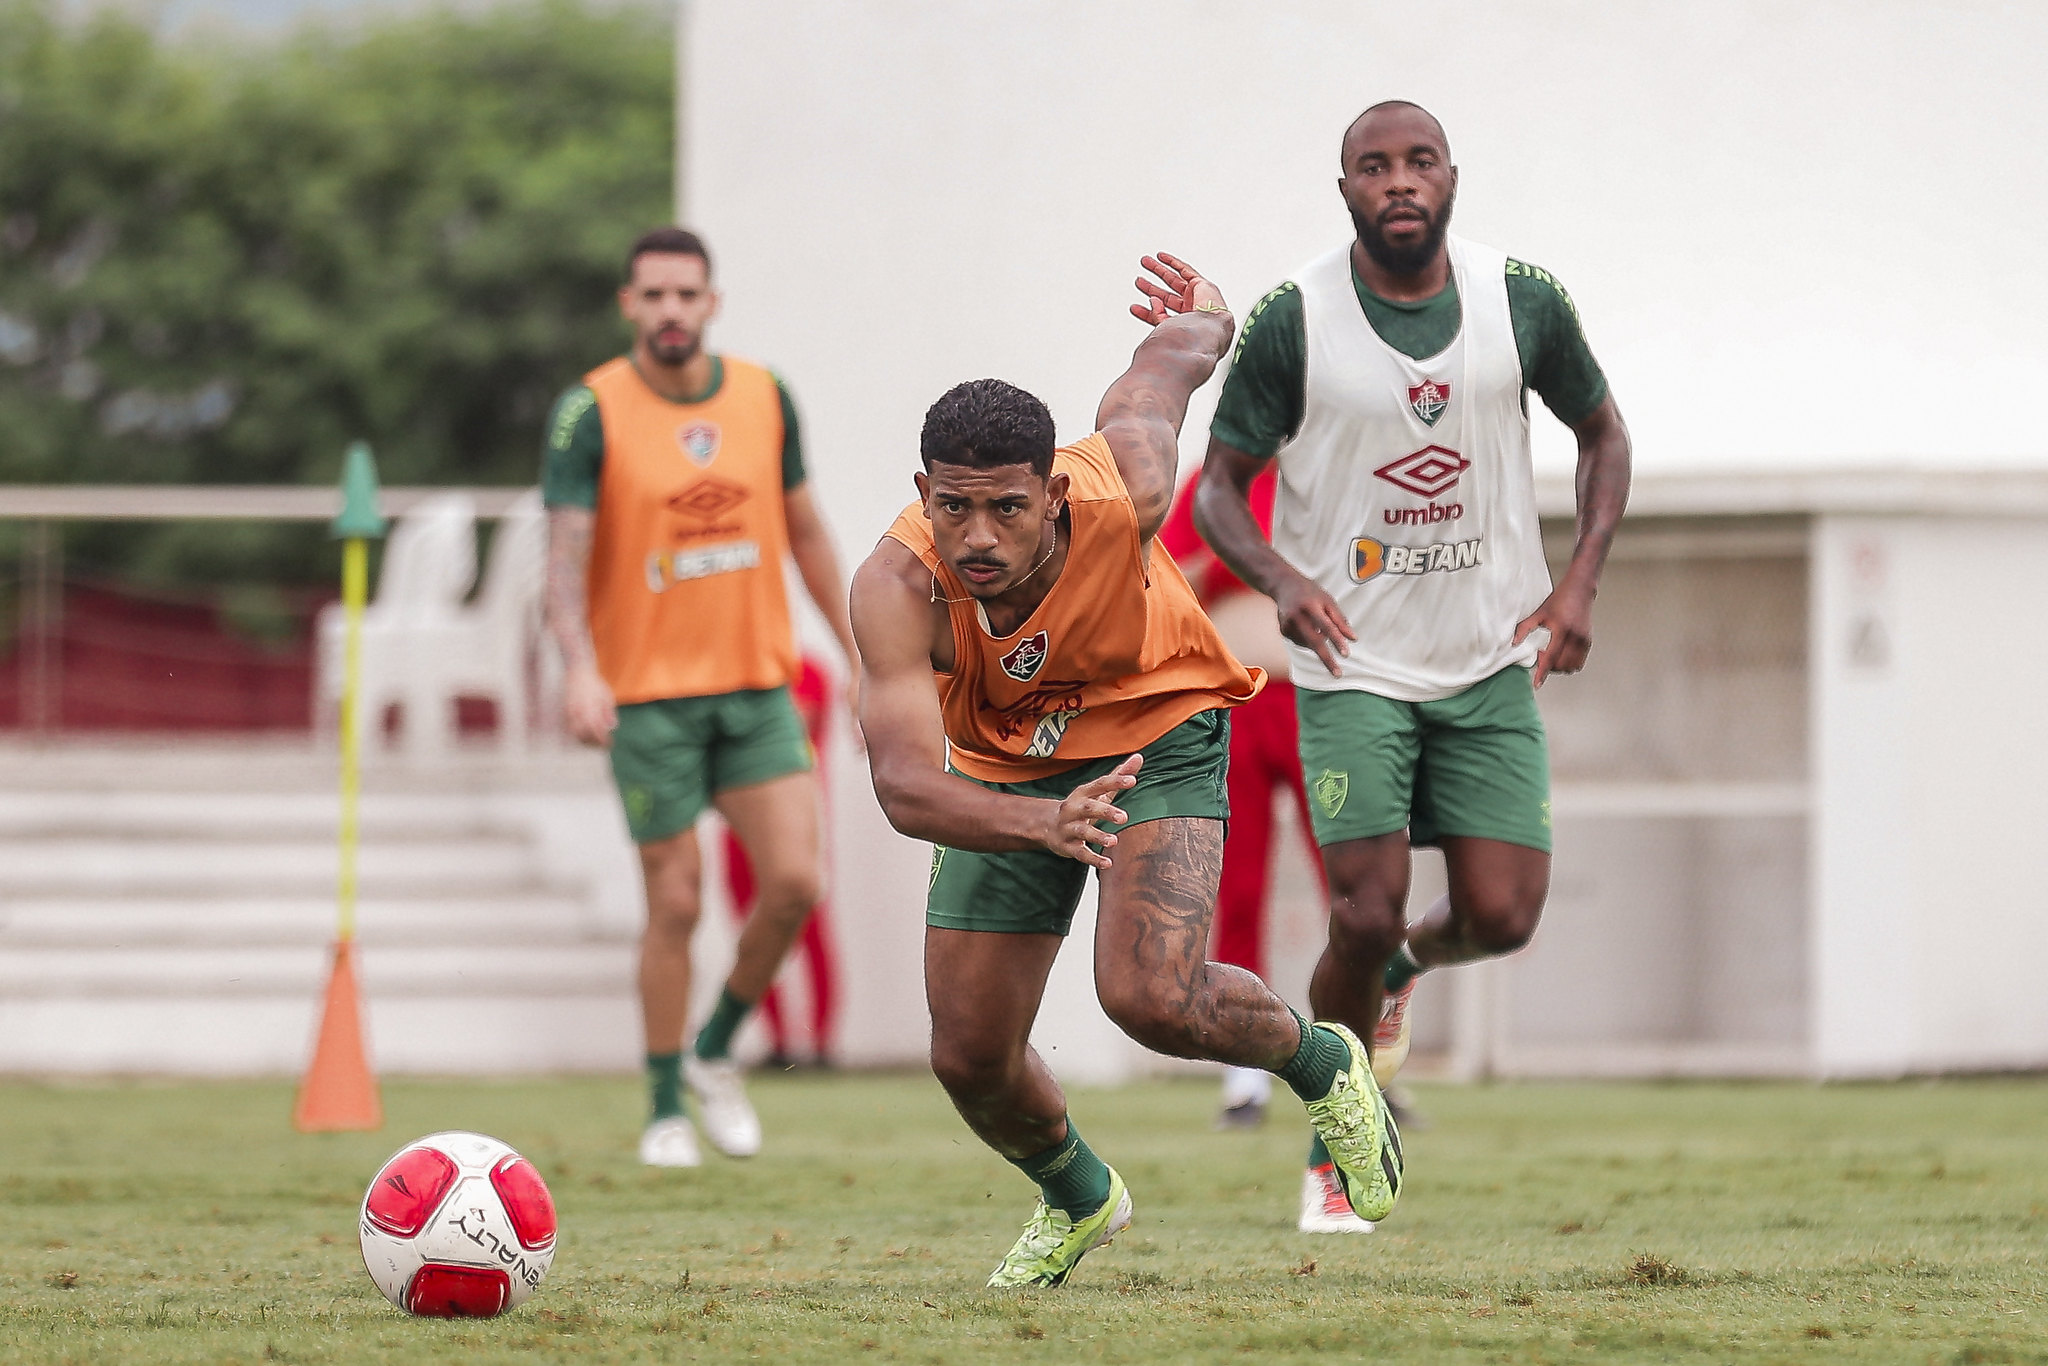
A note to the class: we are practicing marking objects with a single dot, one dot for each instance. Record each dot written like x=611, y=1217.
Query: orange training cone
x=338, y=1091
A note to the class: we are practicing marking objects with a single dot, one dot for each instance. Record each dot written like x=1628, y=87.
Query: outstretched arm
x=1603, y=477
x=1141, y=414
x=893, y=624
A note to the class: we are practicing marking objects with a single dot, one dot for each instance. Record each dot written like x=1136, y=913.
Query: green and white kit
x=1474, y=763
x=1401, y=434
x=1407, y=494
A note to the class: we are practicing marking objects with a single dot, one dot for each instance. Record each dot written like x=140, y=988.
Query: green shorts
x=1035, y=891
x=671, y=757
x=1471, y=764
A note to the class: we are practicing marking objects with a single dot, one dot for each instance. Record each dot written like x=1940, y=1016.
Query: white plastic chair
x=492, y=649
x=423, y=648
x=429, y=566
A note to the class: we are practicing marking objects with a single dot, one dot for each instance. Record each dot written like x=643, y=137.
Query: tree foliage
x=221, y=265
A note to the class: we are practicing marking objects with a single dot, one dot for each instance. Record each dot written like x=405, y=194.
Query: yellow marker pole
x=355, y=591
x=339, y=1090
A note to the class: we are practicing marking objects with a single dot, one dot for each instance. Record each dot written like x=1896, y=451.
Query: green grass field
x=186, y=1223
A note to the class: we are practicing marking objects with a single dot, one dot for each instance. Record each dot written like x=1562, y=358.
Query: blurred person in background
x=675, y=485
x=1388, y=383
x=815, y=699
x=1265, y=765
x=1045, y=695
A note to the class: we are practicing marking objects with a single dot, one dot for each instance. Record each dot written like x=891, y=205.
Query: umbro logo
x=708, y=499
x=1428, y=473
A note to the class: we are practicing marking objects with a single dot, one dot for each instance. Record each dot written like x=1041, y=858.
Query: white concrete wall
x=1930, y=923
x=1800, y=234
x=1797, y=231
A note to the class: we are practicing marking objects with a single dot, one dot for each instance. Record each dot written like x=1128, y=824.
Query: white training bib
x=1408, y=493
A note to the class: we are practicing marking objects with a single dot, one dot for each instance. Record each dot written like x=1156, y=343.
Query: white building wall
x=1800, y=234
x=1864, y=854
x=1931, y=922
x=1974, y=594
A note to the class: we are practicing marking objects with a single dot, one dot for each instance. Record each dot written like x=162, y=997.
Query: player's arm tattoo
x=1141, y=415
x=570, y=531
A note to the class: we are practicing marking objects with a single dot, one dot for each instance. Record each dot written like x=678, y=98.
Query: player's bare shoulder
x=896, y=613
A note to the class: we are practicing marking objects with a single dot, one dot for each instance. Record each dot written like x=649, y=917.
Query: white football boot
x=729, y=1119
x=670, y=1142
x=1324, y=1208
x=1393, y=1034
x=1245, y=1093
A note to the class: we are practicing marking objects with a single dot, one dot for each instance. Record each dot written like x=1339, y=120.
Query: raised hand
x=1073, y=832
x=1180, y=289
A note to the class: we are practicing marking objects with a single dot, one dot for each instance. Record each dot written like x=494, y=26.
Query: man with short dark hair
x=674, y=479
x=1021, y=621
x=1388, y=381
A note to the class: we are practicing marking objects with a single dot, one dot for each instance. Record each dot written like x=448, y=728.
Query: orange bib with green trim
x=1118, y=654
x=686, y=593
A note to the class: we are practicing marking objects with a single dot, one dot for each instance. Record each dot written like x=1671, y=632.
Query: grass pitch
x=146, y=1223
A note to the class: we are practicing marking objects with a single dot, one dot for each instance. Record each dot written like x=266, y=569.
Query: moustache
x=1404, y=213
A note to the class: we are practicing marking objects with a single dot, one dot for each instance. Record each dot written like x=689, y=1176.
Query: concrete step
x=310, y=815
x=256, y=921
x=183, y=763
x=221, y=862
x=273, y=1036
x=560, y=969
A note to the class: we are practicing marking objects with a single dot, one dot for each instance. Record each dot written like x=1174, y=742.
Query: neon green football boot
x=1358, y=1129
x=1053, y=1245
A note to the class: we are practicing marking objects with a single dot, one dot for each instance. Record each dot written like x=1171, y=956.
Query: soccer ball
x=457, y=1225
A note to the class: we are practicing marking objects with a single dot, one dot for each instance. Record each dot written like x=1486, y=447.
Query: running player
x=674, y=480
x=1022, y=612
x=1388, y=381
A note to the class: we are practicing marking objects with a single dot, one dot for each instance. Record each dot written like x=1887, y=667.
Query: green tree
x=220, y=266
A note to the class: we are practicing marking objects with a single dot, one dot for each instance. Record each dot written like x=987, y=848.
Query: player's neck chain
x=1043, y=560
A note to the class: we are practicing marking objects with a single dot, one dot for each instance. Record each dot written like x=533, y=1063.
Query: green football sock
x=1401, y=969
x=1069, y=1175
x=665, y=1083
x=1316, y=1062
x=1318, y=1154
x=714, y=1040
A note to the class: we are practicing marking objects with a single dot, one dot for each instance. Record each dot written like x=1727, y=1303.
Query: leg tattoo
x=1151, y=965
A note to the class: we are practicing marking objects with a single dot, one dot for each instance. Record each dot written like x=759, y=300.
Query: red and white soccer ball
x=457, y=1225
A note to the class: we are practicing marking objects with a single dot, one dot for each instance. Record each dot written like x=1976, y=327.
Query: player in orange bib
x=1022, y=612
x=675, y=487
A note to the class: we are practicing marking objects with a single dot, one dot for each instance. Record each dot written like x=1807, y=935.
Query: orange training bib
x=1118, y=654
x=686, y=592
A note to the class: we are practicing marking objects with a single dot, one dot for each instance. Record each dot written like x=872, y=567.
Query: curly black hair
x=984, y=423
